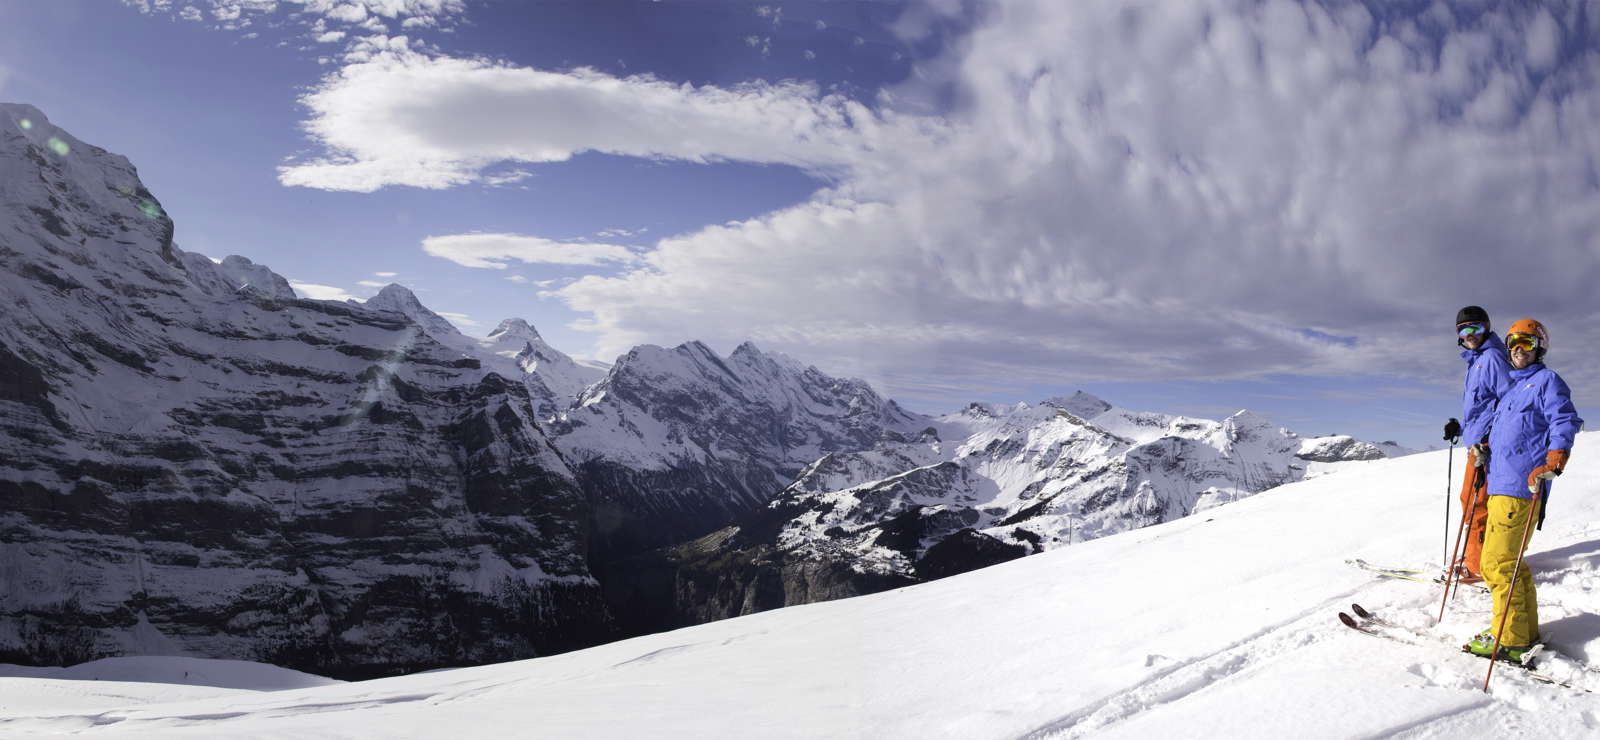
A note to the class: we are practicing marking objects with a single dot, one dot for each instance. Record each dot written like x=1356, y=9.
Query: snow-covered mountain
x=978, y=487
x=514, y=350
x=672, y=439
x=1222, y=625
x=194, y=461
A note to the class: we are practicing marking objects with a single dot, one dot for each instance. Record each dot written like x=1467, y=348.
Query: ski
x=1368, y=623
x=1480, y=585
x=1408, y=574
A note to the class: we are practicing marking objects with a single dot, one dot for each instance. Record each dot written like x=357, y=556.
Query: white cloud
x=366, y=14
x=331, y=37
x=386, y=274
x=320, y=292
x=1543, y=40
x=1154, y=190
x=517, y=279
x=494, y=251
x=461, y=320
x=370, y=283
x=399, y=117
x=348, y=13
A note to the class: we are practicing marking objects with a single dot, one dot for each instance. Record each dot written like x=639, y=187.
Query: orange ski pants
x=1471, y=488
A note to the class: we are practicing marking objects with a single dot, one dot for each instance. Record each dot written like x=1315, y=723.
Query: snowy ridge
x=1214, y=626
x=1041, y=477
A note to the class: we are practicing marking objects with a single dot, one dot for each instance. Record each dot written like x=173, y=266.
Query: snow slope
x=1220, y=624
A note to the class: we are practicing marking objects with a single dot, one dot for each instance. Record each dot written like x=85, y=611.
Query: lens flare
x=27, y=124
x=151, y=210
x=58, y=146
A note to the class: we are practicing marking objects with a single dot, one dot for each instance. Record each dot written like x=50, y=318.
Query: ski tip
x=1360, y=611
x=1348, y=620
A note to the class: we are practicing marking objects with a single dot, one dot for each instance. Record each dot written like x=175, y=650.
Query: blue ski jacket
x=1536, y=414
x=1488, y=376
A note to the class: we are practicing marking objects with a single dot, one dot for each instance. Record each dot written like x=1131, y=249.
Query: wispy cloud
x=398, y=116
x=320, y=292
x=461, y=320
x=496, y=251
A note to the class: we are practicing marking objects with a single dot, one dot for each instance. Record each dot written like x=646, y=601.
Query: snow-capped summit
x=1079, y=404
x=516, y=341
x=398, y=298
x=515, y=329
x=246, y=274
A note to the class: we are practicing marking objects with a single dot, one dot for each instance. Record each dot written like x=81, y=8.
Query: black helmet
x=1472, y=314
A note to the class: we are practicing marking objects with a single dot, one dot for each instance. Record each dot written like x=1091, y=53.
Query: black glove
x=1452, y=431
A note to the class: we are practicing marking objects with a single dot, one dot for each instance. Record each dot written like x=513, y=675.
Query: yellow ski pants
x=1509, y=527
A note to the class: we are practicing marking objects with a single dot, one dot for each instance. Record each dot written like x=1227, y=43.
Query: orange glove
x=1554, y=462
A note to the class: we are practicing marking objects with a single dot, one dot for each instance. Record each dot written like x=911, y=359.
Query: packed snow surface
x=1222, y=624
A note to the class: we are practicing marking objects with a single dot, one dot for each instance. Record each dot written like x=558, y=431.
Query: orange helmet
x=1531, y=328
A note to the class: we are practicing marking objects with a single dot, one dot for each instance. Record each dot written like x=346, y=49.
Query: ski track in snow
x=1177, y=682
x=1563, y=588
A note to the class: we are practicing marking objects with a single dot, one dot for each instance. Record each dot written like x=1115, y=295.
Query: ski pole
x=1449, y=477
x=1451, y=581
x=1527, y=534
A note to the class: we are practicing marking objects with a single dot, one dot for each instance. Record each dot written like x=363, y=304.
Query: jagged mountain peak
x=242, y=273
x=82, y=194
x=515, y=328
x=394, y=294
x=398, y=298
x=1079, y=404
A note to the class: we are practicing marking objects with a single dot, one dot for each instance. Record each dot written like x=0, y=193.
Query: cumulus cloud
x=495, y=251
x=400, y=117
x=1121, y=191
x=320, y=292
x=1154, y=190
x=368, y=15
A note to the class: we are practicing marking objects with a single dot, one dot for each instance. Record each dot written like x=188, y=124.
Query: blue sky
x=1187, y=206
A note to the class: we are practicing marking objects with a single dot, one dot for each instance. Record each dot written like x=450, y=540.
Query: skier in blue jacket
x=1531, y=437
x=1488, y=375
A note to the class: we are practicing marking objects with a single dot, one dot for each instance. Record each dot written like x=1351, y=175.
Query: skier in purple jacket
x=1488, y=376
x=1531, y=436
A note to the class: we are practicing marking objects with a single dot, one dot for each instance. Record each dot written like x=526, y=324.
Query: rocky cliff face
x=193, y=460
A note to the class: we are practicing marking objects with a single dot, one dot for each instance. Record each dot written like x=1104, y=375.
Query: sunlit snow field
x=1222, y=624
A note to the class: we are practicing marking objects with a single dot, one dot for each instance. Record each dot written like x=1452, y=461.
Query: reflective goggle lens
x=1528, y=342
x=1467, y=330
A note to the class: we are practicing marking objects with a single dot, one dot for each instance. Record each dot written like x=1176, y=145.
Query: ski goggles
x=1528, y=342
x=1470, y=330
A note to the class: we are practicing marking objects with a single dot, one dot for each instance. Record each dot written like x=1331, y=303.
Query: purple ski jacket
x=1488, y=376
x=1534, y=415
